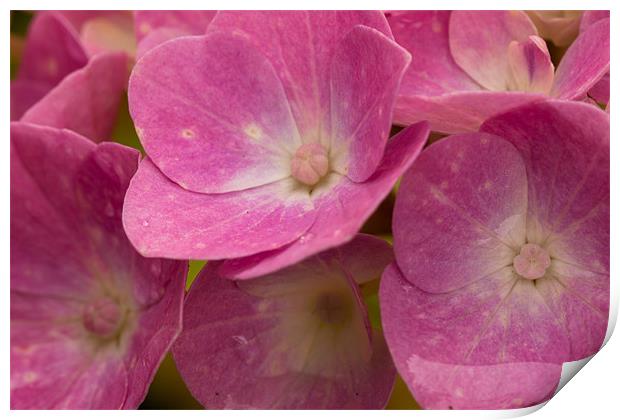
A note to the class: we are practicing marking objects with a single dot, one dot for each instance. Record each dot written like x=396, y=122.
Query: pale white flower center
x=103, y=317
x=532, y=262
x=310, y=163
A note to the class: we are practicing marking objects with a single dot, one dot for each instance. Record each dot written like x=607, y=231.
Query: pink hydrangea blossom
x=470, y=65
x=266, y=138
x=90, y=318
x=502, y=258
x=298, y=338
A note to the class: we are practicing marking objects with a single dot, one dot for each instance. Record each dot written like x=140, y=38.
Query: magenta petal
x=568, y=210
x=190, y=22
x=66, y=199
x=365, y=75
x=460, y=111
x=433, y=70
x=591, y=16
x=365, y=257
x=460, y=212
x=162, y=218
x=87, y=100
x=584, y=64
x=154, y=27
x=531, y=66
x=24, y=94
x=52, y=50
x=341, y=207
x=300, y=45
x=294, y=339
x=442, y=386
x=452, y=356
x=600, y=91
x=479, y=43
x=156, y=37
x=232, y=127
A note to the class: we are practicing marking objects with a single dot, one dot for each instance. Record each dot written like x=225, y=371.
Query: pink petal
x=460, y=212
x=156, y=37
x=24, y=94
x=591, y=16
x=300, y=45
x=460, y=111
x=600, y=91
x=66, y=199
x=212, y=114
x=45, y=228
x=472, y=348
x=342, y=207
x=266, y=343
x=190, y=22
x=365, y=257
x=52, y=50
x=365, y=75
x=531, y=66
x=584, y=64
x=433, y=71
x=568, y=210
x=154, y=27
x=442, y=386
x=162, y=218
x=479, y=43
x=87, y=100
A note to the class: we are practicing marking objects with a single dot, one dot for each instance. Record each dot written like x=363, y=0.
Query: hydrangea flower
x=471, y=65
x=79, y=77
x=299, y=338
x=154, y=27
x=90, y=318
x=501, y=240
x=559, y=26
x=266, y=138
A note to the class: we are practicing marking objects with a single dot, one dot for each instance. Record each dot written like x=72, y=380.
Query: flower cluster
x=270, y=139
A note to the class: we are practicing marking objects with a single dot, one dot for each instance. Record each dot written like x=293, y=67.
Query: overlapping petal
x=86, y=101
x=154, y=27
x=162, y=218
x=300, y=46
x=52, y=50
x=422, y=331
x=479, y=43
x=231, y=127
x=365, y=75
x=584, y=64
x=340, y=203
x=473, y=189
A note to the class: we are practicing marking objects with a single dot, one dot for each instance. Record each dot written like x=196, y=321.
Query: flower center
x=532, y=262
x=333, y=309
x=103, y=317
x=310, y=163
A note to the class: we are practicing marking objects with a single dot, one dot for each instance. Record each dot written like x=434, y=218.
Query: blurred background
x=168, y=390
